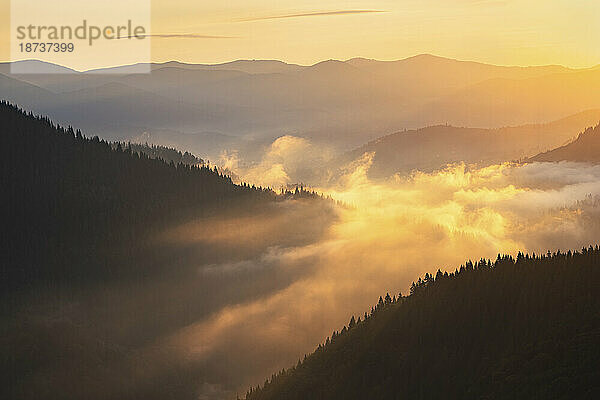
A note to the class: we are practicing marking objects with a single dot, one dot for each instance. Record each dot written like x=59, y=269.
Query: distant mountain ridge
x=338, y=104
x=431, y=148
x=271, y=66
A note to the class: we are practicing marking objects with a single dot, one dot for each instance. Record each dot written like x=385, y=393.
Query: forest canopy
x=524, y=328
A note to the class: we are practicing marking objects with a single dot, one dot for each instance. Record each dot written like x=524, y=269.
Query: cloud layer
x=390, y=234
x=236, y=297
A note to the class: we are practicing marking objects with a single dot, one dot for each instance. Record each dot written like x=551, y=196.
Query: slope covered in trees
x=106, y=253
x=167, y=154
x=72, y=205
x=524, y=328
x=586, y=148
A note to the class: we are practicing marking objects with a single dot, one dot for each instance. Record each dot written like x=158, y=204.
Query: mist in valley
x=385, y=236
x=240, y=296
x=229, y=298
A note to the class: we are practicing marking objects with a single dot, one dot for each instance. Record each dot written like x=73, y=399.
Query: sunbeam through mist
x=385, y=236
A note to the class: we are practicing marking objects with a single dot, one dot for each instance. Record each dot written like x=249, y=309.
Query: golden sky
x=507, y=32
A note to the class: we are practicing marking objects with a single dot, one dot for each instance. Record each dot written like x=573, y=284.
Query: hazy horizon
x=312, y=64
x=526, y=32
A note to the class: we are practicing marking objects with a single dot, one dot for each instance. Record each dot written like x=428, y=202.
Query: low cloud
x=288, y=160
x=389, y=234
x=237, y=297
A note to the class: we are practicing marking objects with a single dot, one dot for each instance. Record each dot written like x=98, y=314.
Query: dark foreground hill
x=586, y=148
x=513, y=329
x=107, y=252
x=71, y=204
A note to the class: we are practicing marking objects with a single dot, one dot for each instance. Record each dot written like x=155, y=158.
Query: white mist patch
x=288, y=160
x=390, y=234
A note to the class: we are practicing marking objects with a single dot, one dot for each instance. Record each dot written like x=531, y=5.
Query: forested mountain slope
x=586, y=148
x=165, y=153
x=513, y=329
x=104, y=253
x=71, y=202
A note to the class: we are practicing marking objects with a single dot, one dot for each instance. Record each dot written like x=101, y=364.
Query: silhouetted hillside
x=72, y=203
x=104, y=254
x=586, y=148
x=513, y=329
x=433, y=147
x=167, y=154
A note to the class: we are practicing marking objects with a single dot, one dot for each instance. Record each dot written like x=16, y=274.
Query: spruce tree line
x=516, y=328
x=165, y=153
x=72, y=205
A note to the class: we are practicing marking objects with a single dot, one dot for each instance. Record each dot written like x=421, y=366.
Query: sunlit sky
x=507, y=32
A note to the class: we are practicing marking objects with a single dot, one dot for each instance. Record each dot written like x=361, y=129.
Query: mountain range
x=245, y=104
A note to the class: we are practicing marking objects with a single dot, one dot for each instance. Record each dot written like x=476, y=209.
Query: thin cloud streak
x=313, y=14
x=179, y=36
